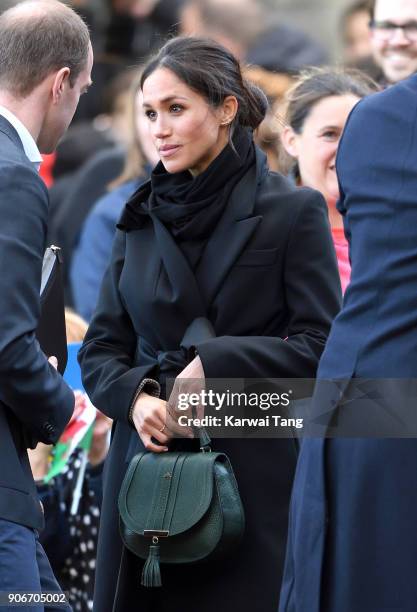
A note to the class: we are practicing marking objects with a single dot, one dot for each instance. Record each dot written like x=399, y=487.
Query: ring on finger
x=162, y=428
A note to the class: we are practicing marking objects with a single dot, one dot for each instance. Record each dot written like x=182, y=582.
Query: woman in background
x=92, y=254
x=316, y=110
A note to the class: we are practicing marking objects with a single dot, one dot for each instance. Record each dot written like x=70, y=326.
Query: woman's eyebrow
x=167, y=99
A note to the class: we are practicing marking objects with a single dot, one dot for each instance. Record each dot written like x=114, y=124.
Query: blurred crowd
x=107, y=153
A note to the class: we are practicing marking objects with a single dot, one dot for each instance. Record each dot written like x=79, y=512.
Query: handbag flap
x=168, y=492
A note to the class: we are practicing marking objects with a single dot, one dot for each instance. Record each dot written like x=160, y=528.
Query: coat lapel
x=232, y=233
x=181, y=277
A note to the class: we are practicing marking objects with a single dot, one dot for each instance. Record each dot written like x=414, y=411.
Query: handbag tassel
x=151, y=573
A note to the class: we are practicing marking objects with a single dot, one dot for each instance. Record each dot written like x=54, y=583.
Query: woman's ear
x=228, y=110
x=289, y=140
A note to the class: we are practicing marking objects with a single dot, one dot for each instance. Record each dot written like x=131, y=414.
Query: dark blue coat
x=35, y=403
x=352, y=543
x=92, y=254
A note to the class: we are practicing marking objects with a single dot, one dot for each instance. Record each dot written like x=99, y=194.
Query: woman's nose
x=161, y=128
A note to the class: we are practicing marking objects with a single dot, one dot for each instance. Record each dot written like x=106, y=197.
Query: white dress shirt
x=29, y=145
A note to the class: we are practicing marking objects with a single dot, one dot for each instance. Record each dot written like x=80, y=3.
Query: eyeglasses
x=385, y=30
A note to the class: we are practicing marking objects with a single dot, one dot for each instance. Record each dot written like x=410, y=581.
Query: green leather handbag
x=179, y=507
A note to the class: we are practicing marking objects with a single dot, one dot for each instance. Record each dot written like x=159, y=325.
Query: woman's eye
x=330, y=135
x=176, y=108
x=150, y=114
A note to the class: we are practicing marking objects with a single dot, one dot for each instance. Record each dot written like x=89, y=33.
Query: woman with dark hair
x=316, y=109
x=213, y=236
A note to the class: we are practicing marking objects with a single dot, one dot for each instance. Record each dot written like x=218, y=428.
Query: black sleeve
x=313, y=296
x=107, y=357
x=29, y=386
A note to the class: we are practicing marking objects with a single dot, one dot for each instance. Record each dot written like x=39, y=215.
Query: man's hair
x=38, y=38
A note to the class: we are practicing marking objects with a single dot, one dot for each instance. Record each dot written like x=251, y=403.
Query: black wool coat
x=269, y=284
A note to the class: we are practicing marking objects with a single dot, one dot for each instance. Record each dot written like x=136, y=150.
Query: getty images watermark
x=279, y=408
x=232, y=401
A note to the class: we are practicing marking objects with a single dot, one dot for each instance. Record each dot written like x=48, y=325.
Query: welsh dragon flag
x=78, y=433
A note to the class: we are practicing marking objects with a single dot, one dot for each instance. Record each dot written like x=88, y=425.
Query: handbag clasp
x=158, y=533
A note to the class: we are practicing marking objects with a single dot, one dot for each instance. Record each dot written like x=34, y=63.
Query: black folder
x=51, y=331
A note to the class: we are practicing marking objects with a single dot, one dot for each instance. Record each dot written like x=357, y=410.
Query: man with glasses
x=394, y=38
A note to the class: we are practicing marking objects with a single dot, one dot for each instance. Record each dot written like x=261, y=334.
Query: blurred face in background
x=357, y=37
x=395, y=49
x=315, y=148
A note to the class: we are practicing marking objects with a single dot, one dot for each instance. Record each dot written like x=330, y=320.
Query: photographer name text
x=273, y=420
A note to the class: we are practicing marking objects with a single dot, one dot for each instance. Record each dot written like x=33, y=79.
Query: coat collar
x=7, y=129
x=232, y=233
x=29, y=145
x=234, y=230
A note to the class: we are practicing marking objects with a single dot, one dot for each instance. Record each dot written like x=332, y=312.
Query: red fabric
x=46, y=168
x=342, y=253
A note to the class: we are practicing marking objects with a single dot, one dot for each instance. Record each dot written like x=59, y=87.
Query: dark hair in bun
x=214, y=73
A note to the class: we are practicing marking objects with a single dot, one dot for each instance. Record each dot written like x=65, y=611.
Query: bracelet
x=152, y=387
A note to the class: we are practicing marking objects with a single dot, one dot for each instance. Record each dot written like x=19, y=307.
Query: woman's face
x=187, y=133
x=316, y=147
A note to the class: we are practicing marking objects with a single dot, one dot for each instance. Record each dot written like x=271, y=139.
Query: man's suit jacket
x=352, y=541
x=35, y=403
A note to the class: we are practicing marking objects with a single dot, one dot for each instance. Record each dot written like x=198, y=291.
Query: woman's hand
x=150, y=419
x=155, y=418
x=190, y=381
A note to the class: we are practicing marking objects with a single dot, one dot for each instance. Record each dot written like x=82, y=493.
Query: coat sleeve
x=313, y=297
x=107, y=357
x=91, y=258
x=29, y=386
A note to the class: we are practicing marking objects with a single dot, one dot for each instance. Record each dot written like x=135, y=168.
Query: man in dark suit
x=45, y=64
x=352, y=543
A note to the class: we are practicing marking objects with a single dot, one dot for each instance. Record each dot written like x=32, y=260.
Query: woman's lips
x=168, y=151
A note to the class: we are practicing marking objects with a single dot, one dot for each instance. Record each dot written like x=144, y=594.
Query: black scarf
x=191, y=207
